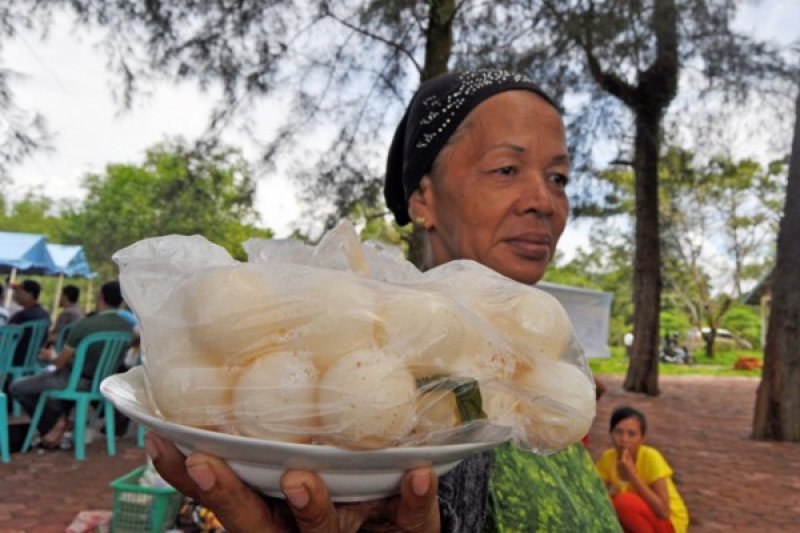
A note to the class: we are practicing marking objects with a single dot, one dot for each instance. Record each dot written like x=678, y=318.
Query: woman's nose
x=535, y=195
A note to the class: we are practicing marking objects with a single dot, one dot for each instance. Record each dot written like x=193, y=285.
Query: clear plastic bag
x=348, y=344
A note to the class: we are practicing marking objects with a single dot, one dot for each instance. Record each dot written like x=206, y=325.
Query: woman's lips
x=531, y=246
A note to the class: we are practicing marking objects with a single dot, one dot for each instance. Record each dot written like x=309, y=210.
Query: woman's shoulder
x=608, y=455
x=651, y=453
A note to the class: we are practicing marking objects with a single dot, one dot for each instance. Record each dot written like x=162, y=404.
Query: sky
x=64, y=79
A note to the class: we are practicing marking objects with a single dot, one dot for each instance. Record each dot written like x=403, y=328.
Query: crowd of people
x=70, y=327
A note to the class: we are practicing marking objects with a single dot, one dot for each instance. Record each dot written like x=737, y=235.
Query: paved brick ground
x=43, y=491
x=701, y=424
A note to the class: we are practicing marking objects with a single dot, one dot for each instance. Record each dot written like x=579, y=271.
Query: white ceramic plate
x=349, y=475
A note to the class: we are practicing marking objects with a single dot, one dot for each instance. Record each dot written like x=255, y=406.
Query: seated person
x=26, y=295
x=639, y=479
x=26, y=391
x=70, y=312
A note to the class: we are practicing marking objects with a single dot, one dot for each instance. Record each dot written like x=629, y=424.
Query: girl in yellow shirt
x=639, y=479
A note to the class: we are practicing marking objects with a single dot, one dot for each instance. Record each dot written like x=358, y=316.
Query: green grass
x=720, y=365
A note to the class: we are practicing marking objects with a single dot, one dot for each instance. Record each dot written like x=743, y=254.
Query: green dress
x=560, y=492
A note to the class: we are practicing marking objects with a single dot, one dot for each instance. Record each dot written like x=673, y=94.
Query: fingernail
x=150, y=448
x=297, y=496
x=420, y=483
x=202, y=475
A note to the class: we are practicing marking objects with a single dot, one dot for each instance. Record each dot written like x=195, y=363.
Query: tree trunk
x=438, y=47
x=643, y=368
x=438, y=38
x=777, y=411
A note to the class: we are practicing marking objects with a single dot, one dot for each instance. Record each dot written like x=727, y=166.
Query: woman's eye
x=506, y=171
x=560, y=179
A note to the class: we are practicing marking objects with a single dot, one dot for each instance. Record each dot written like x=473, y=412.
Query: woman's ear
x=421, y=205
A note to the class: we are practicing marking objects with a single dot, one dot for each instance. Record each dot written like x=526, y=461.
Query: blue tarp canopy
x=70, y=260
x=26, y=253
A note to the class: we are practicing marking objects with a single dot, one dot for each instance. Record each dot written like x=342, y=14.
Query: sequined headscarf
x=432, y=116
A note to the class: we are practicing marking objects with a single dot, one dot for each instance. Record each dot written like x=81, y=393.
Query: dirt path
x=701, y=424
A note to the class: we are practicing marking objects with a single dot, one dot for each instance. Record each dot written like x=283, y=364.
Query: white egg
x=366, y=400
x=274, y=397
x=551, y=403
x=425, y=328
x=533, y=320
x=229, y=311
x=236, y=312
x=538, y=322
x=339, y=318
x=192, y=391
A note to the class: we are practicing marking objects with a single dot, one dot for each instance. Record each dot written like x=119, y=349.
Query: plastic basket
x=140, y=509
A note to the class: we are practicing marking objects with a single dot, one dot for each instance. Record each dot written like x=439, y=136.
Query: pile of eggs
x=333, y=350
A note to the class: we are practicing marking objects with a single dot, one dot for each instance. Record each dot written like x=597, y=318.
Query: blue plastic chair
x=9, y=337
x=114, y=344
x=30, y=365
x=5, y=452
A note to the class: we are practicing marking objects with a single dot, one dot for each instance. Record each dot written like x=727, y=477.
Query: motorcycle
x=673, y=353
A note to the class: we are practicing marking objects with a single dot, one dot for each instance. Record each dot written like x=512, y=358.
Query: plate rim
x=145, y=416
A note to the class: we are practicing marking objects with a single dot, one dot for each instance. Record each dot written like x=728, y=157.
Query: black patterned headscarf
x=432, y=116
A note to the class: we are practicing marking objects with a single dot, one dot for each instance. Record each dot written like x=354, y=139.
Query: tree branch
x=609, y=82
x=376, y=37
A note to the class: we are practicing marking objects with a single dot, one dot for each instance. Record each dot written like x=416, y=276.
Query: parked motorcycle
x=672, y=352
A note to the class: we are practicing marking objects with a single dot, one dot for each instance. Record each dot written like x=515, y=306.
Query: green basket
x=139, y=509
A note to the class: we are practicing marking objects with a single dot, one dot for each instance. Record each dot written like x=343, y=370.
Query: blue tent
x=29, y=254
x=70, y=260
x=25, y=253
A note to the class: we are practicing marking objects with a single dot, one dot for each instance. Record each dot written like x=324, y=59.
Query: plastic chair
x=113, y=345
x=30, y=366
x=5, y=453
x=9, y=337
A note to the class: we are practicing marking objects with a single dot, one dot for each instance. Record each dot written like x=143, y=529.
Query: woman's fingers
x=209, y=481
x=237, y=506
x=310, y=503
x=418, y=510
x=170, y=463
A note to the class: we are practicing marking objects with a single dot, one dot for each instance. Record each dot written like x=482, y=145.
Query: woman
x=479, y=162
x=639, y=479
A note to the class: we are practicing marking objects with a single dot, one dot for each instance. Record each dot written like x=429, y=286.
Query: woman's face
x=627, y=434
x=497, y=193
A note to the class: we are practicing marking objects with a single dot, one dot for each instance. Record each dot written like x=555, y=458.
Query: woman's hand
x=626, y=466
x=307, y=508
x=655, y=495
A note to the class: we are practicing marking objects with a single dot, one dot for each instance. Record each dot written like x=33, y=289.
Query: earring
x=420, y=221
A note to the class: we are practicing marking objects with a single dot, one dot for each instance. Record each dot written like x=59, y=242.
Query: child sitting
x=639, y=479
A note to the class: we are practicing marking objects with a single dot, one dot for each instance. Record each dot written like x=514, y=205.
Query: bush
x=674, y=322
x=745, y=322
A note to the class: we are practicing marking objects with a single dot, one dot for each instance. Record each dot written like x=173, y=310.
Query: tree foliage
x=617, y=65
x=180, y=188
x=34, y=213
x=717, y=232
x=22, y=131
